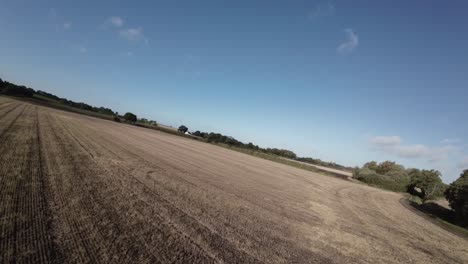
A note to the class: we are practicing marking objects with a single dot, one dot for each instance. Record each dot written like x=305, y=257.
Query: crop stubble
x=80, y=189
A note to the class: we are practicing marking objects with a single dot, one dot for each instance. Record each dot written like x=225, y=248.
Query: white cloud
x=450, y=140
x=322, y=11
x=386, y=140
x=463, y=164
x=412, y=151
x=67, y=25
x=115, y=21
x=394, y=145
x=112, y=22
x=441, y=153
x=133, y=34
x=351, y=42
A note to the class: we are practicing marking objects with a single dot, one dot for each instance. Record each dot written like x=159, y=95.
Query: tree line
x=425, y=184
x=218, y=138
x=230, y=141
x=12, y=89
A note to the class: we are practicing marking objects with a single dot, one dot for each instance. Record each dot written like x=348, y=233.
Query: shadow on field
x=441, y=216
x=435, y=211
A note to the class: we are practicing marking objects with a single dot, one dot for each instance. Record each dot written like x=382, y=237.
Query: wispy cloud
x=115, y=21
x=450, y=140
x=67, y=25
x=394, y=145
x=133, y=34
x=130, y=34
x=58, y=22
x=322, y=10
x=463, y=164
x=385, y=140
x=351, y=43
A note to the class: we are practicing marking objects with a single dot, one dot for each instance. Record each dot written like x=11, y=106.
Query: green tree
x=372, y=165
x=130, y=117
x=457, y=195
x=429, y=183
x=15, y=90
x=182, y=129
x=385, y=167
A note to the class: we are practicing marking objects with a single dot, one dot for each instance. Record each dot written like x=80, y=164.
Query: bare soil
x=77, y=189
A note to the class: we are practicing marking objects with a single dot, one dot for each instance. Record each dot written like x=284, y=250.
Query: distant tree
x=14, y=90
x=457, y=195
x=429, y=183
x=130, y=117
x=214, y=137
x=182, y=129
x=385, y=167
x=116, y=119
x=197, y=133
x=281, y=152
x=387, y=175
x=372, y=165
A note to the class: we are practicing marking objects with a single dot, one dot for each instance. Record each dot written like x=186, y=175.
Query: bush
x=457, y=195
x=395, y=178
x=396, y=183
x=386, y=166
x=130, y=117
x=117, y=119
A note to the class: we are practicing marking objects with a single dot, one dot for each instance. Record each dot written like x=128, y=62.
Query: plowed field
x=75, y=189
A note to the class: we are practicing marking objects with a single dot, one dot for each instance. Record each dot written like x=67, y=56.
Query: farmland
x=75, y=188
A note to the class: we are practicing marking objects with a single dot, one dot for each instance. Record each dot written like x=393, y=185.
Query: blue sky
x=346, y=81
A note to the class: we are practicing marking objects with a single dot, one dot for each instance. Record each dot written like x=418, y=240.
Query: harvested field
x=80, y=189
x=343, y=173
